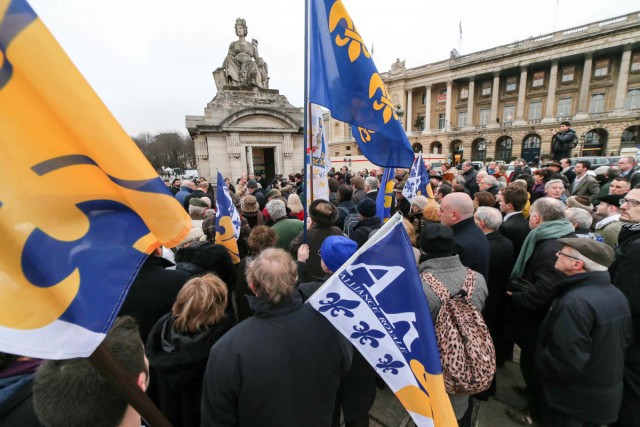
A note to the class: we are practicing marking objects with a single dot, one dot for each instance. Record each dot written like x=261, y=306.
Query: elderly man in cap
x=402, y=203
x=368, y=222
x=579, y=360
x=609, y=226
x=626, y=277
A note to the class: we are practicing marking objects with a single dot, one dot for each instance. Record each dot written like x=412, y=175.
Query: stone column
x=583, y=98
x=470, y=101
x=623, y=77
x=249, y=159
x=277, y=159
x=551, y=96
x=427, y=110
x=522, y=95
x=447, y=113
x=409, y=112
x=495, y=92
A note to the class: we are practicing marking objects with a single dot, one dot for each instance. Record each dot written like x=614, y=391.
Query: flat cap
x=598, y=252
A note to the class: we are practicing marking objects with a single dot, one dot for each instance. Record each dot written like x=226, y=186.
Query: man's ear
x=252, y=287
x=158, y=251
x=143, y=381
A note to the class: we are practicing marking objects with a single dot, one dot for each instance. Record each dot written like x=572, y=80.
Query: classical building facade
x=503, y=103
x=247, y=127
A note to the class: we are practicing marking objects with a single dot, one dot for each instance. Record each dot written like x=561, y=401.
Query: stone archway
x=531, y=148
x=457, y=151
x=479, y=149
x=504, y=146
x=630, y=138
x=435, y=147
x=417, y=147
x=595, y=142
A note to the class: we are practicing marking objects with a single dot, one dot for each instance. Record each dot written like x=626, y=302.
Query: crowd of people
x=552, y=253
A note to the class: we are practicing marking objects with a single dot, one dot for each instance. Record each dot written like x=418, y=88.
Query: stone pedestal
x=239, y=119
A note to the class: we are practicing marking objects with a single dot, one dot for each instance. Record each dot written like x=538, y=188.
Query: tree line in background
x=167, y=150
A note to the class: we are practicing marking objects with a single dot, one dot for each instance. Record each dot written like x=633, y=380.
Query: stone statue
x=243, y=65
x=398, y=66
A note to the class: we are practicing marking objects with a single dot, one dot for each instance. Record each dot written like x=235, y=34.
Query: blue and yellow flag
x=377, y=302
x=344, y=79
x=80, y=206
x=227, y=221
x=418, y=183
x=385, y=196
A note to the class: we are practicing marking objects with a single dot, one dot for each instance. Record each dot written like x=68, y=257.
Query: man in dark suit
x=567, y=171
x=371, y=185
x=456, y=211
x=515, y=226
x=500, y=265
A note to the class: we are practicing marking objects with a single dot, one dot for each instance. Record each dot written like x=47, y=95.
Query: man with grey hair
x=501, y=261
x=490, y=184
x=456, y=211
x=286, y=228
x=186, y=187
x=536, y=265
x=371, y=185
x=581, y=221
x=627, y=170
x=280, y=367
x=579, y=362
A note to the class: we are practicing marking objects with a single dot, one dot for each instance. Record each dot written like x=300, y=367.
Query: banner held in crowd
x=227, y=221
x=385, y=196
x=319, y=160
x=81, y=207
x=376, y=301
x=344, y=79
x=418, y=181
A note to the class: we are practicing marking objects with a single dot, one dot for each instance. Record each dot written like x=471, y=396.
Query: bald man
x=456, y=211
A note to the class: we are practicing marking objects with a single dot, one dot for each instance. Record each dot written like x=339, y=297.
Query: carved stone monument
x=247, y=127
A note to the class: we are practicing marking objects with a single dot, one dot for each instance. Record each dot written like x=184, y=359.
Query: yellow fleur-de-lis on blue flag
x=227, y=221
x=344, y=79
x=80, y=206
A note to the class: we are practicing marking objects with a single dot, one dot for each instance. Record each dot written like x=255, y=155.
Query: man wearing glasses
x=626, y=165
x=579, y=361
x=625, y=274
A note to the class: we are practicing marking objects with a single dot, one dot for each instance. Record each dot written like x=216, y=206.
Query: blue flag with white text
x=418, y=182
x=344, y=79
x=376, y=301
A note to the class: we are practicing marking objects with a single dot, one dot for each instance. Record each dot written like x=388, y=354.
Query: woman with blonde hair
x=179, y=344
x=295, y=206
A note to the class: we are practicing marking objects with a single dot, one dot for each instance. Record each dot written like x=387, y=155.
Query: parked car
x=596, y=162
x=477, y=165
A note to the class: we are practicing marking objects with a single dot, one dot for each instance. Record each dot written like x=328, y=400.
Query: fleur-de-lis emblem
x=383, y=103
x=337, y=306
x=366, y=335
x=365, y=134
x=387, y=364
x=351, y=35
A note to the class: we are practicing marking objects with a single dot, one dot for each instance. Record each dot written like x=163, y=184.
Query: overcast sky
x=151, y=61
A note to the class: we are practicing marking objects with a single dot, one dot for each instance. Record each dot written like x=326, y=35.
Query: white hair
x=491, y=180
x=371, y=182
x=580, y=217
x=491, y=217
x=552, y=182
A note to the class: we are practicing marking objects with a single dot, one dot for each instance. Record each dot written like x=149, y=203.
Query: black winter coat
x=516, y=229
x=470, y=182
x=179, y=361
x=562, y=143
x=315, y=237
x=580, y=353
x=279, y=368
x=531, y=306
x=625, y=275
x=472, y=246
x=152, y=293
x=361, y=231
x=501, y=261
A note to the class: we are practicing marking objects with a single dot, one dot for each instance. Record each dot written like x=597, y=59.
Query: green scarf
x=545, y=231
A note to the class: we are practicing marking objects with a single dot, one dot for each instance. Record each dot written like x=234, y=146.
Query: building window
x=486, y=89
x=424, y=98
x=538, y=79
x=442, y=95
x=635, y=62
x=535, y=110
x=509, y=113
x=417, y=147
x=633, y=99
x=602, y=68
x=462, y=118
x=568, y=74
x=464, y=93
x=504, y=144
x=484, y=116
x=348, y=148
x=349, y=133
x=597, y=103
x=564, y=107
x=442, y=121
x=511, y=84
x=337, y=153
